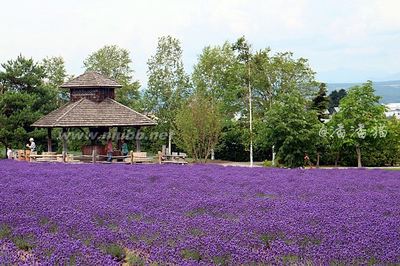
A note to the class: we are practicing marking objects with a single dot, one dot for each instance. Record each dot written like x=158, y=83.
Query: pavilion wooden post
x=64, y=142
x=138, y=139
x=119, y=138
x=131, y=156
x=49, y=144
x=93, y=154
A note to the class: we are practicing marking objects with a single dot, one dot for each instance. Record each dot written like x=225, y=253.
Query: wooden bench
x=139, y=157
x=174, y=158
x=51, y=157
x=46, y=157
x=23, y=155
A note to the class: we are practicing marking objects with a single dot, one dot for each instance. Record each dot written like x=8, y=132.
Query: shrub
x=191, y=254
x=267, y=163
x=116, y=251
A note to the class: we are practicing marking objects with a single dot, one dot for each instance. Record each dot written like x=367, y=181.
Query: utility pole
x=251, y=118
x=244, y=55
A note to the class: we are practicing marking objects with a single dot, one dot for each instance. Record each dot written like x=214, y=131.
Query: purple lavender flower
x=197, y=214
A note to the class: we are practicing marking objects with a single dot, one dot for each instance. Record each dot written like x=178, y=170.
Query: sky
x=344, y=41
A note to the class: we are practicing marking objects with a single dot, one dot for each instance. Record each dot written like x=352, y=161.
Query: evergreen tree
x=23, y=100
x=334, y=99
x=321, y=102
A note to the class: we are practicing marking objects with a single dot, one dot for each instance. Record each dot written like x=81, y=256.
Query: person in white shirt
x=32, y=146
x=9, y=153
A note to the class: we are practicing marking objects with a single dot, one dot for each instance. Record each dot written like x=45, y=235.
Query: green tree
x=55, y=76
x=244, y=56
x=320, y=103
x=24, y=100
x=168, y=84
x=359, y=114
x=334, y=99
x=223, y=71
x=391, y=142
x=217, y=72
x=273, y=74
x=269, y=76
x=198, y=124
x=291, y=127
x=115, y=63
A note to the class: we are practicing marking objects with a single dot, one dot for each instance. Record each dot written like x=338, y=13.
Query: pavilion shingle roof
x=91, y=79
x=87, y=113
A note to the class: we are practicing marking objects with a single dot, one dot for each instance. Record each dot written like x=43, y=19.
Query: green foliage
x=386, y=151
x=191, y=254
x=198, y=126
x=222, y=260
x=24, y=242
x=134, y=260
x=54, y=69
x=212, y=110
x=290, y=259
x=232, y=143
x=321, y=102
x=267, y=238
x=5, y=231
x=391, y=143
x=275, y=74
x=168, y=85
x=267, y=163
x=334, y=99
x=359, y=115
x=72, y=260
x=218, y=73
x=225, y=72
x=291, y=127
x=115, y=63
x=115, y=250
x=244, y=57
x=24, y=99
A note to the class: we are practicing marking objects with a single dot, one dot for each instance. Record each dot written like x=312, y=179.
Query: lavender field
x=198, y=214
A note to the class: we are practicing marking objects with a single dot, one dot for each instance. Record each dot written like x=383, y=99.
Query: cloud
x=361, y=35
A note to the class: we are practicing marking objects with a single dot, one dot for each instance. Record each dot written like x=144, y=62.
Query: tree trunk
x=337, y=159
x=358, y=151
x=318, y=156
x=6, y=146
x=64, y=142
x=49, y=141
x=138, y=137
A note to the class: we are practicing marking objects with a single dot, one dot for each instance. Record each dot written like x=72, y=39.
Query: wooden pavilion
x=92, y=106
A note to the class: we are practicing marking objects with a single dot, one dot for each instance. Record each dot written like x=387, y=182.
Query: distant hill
x=388, y=90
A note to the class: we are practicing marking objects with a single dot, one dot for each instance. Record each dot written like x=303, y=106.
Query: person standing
x=32, y=145
x=109, y=148
x=307, y=160
x=124, y=148
x=9, y=153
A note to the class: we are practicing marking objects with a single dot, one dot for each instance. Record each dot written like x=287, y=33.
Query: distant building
x=393, y=109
